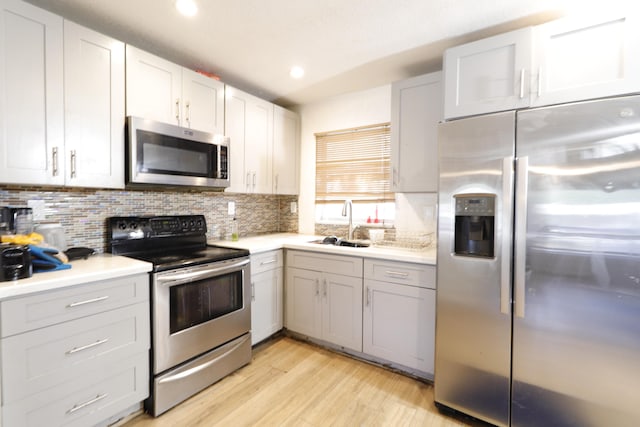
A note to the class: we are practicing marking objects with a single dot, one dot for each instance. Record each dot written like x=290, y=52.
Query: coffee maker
x=16, y=220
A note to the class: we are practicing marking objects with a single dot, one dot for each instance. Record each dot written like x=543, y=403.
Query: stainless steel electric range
x=200, y=303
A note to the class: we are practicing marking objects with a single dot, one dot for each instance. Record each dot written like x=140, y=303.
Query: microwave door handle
x=173, y=279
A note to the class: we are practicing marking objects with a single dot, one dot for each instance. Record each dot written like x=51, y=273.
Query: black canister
x=15, y=262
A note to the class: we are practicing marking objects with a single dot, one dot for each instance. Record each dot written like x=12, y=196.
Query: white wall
x=345, y=111
x=415, y=213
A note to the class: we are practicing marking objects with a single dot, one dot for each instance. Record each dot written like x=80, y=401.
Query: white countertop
x=269, y=242
x=95, y=268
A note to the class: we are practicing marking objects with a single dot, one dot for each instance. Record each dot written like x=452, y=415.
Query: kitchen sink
x=335, y=241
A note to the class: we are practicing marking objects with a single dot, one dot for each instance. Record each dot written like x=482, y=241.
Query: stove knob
x=133, y=225
x=122, y=225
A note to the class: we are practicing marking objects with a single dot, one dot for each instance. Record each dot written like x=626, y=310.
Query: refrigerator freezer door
x=576, y=344
x=473, y=327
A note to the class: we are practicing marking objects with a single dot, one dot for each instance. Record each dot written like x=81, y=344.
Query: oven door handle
x=176, y=278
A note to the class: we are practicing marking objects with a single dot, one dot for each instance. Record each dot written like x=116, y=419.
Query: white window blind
x=354, y=164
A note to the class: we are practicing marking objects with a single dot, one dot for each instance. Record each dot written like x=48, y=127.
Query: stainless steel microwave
x=163, y=154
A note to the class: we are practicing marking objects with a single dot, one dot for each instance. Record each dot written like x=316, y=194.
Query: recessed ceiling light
x=187, y=7
x=296, y=72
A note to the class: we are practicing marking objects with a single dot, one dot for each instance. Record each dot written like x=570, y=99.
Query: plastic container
x=376, y=235
x=53, y=235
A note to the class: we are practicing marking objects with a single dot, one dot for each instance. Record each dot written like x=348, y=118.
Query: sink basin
x=335, y=241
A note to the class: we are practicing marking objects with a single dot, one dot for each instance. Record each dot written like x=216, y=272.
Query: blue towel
x=42, y=259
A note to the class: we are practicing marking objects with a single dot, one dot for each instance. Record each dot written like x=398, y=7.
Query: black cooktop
x=172, y=260
x=168, y=242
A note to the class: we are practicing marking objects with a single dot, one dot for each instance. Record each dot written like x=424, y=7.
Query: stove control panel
x=147, y=227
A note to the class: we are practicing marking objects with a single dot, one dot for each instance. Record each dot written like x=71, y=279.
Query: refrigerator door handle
x=522, y=169
x=505, y=267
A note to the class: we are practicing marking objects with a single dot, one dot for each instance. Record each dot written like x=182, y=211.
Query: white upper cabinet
x=62, y=109
x=154, y=87
x=488, y=75
x=416, y=109
x=566, y=60
x=249, y=125
x=160, y=90
x=31, y=95
x=586, y=59
x=203, y=102
x=286, y=151
x=94, y=108
x=258, y=146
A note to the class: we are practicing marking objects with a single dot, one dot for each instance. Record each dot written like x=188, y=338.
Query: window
x=354, y=164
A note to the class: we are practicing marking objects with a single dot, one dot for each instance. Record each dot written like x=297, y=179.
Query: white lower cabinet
x=267, y=298
x=323, y=305
x=75, y=356
x=399, y=314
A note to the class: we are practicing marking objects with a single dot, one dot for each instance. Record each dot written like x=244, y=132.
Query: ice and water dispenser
x=474, y=225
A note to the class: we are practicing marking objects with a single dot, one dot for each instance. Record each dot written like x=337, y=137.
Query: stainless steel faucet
x=344, y=213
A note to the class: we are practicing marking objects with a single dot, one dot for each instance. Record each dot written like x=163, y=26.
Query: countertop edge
x=265, y=243
x=96, y=268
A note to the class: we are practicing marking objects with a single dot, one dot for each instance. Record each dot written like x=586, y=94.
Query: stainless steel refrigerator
x=538, y=285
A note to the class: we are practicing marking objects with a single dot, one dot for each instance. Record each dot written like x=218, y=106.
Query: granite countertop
x=95, y=268
x=269, y=242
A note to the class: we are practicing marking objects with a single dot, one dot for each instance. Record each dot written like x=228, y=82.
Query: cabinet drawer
x=84, y=400
x=345, y=265
x=266, y=261
x=48, y=308
x=48, y=357
x=420, y=275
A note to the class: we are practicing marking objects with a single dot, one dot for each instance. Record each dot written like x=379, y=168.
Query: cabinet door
x=416, y=109
x=342, y=310
x=235, y=112
x=586, y=58
x=48, y=357
x=488, y=75
x=258, y=145
x=286, y=143
x=31, y=95
x=399, y=324
x=94, y=108
x=85, y=399
x=202, y=102
x=154, y=87
x=266, y=304
x=303, y=308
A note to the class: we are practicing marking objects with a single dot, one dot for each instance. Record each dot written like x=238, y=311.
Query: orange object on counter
x=23, y=239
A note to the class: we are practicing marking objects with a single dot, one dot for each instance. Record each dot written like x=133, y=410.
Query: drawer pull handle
x=88, y=346
x=89, y=301
x=77, y=407
x=396, y=274
x=268, y=262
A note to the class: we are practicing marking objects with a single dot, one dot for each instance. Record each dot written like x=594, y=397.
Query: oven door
x=197, y=309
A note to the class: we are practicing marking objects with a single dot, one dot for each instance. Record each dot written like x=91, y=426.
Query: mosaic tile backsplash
x=83, y=212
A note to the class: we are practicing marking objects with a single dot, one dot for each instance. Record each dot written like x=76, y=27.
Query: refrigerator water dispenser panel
x=474, y=225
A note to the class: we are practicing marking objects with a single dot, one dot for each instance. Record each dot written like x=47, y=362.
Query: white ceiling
x=344, y=45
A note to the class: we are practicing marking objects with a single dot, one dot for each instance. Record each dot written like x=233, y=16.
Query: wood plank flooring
x=293, y=383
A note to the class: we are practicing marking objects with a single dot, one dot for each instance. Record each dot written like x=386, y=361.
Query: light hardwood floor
x=293, y=383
